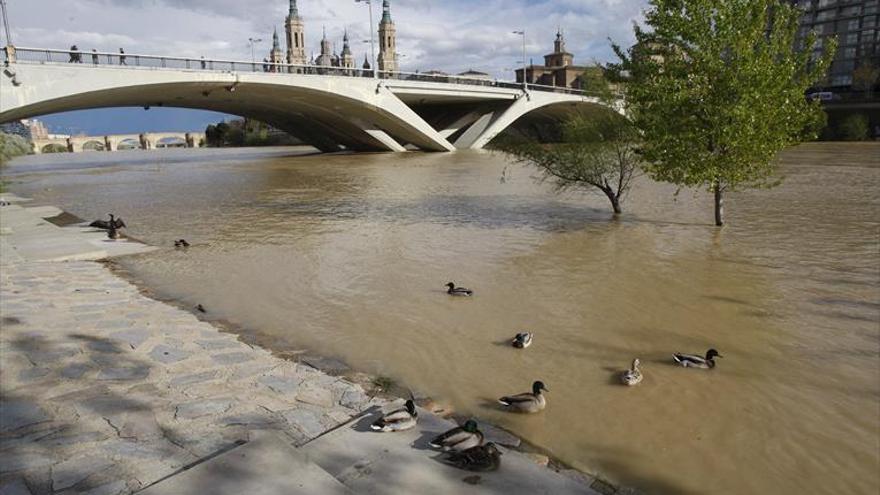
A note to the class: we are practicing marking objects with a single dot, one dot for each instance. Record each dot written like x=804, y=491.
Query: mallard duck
x=458, y=291
x=399, y=419
x=181, y=243
x=480, y=458
x=522, y=340
x=459, y=438
x=694, y=361
x=633, y=375
x=105, y=225
x=528, y=402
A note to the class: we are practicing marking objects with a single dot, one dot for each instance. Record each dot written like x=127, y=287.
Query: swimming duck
x=105, y=225
x=201, y=309
x=459, y=438
x=633, y=375
x=694, y=361
x=181, y=243
x=480, y=458
x=522, y=340
x=399, y=419
x=458, y=291
x=528, y=402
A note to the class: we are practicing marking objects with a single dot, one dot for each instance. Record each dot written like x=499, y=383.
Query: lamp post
x=6, y=23
x=525, y=81
x=372, y=39
x=252, y=42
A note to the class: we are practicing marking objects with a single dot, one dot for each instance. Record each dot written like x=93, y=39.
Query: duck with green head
x=695, y=361
x=459, y=438
x=528, y=402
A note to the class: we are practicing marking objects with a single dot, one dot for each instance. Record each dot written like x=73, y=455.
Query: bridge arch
x=171, y=142
x=92, y=145
x=54, y=148
x=128, y=144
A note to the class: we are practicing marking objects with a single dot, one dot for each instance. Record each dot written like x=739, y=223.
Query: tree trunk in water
x=719, y=204
x=615, y=201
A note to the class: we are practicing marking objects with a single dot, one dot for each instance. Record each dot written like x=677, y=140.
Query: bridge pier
x=475, y=131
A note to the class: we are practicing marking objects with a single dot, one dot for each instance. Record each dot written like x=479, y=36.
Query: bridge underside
x=330, y=113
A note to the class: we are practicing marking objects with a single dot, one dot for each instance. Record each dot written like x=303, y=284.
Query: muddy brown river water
x=347, y=255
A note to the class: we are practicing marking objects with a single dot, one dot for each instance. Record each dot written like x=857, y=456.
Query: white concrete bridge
x=327, y=107
x=116, y=142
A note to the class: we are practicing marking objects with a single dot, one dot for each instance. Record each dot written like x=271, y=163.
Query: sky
x=448, y=35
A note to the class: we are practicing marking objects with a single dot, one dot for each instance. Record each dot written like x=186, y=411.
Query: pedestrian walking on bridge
x=122, y=57
x=75, y=55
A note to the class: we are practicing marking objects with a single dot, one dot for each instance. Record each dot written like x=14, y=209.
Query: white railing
x=132, y=60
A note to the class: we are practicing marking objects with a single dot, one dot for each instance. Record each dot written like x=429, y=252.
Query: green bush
x=854, y=128
x=12, y=146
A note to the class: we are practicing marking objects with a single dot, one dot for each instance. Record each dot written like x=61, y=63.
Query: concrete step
x=32, y=238
x=371, y=462
x=267, y=465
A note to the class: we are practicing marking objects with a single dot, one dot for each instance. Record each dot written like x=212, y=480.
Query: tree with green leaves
x=596, y=150
x=865, y=77
x=11, y=146
x=717, y=87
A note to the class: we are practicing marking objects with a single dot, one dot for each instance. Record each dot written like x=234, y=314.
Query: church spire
x=559, y=44
x=275, y=45
x=293, y=12
x=386, y=11
x=346, y=49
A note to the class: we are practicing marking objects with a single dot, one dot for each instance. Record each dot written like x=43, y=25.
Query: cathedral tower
x=296, y=50
x=347, y=59
x=325, y=59
x=387, y=40
x=275, y=56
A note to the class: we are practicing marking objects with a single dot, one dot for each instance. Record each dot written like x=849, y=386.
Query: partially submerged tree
x=716, y=88
x=596, y=151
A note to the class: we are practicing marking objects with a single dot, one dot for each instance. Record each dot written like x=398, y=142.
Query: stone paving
x=105, y=391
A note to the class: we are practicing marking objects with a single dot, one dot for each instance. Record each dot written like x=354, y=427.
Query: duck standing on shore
x=398, y=419
x=528, y=402
x=458, y=291
x=632, y=376
x=695, y=361
x=480, y=458
x=459, y=438
x=522, y=340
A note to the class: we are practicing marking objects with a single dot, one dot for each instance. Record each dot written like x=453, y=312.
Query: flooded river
x=347, y=255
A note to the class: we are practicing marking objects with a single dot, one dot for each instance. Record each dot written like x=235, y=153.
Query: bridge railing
x=133, y=60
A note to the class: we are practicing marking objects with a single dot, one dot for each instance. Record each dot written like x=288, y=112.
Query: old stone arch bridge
x=117, y=142
x=330, y=108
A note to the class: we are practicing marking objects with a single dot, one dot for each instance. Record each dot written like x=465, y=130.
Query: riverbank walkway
x=105, y=391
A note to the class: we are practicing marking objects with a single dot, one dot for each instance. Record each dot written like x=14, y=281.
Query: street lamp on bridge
x=6, y=23
x=372, y=39
x=252, y=42
x=523, y=34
